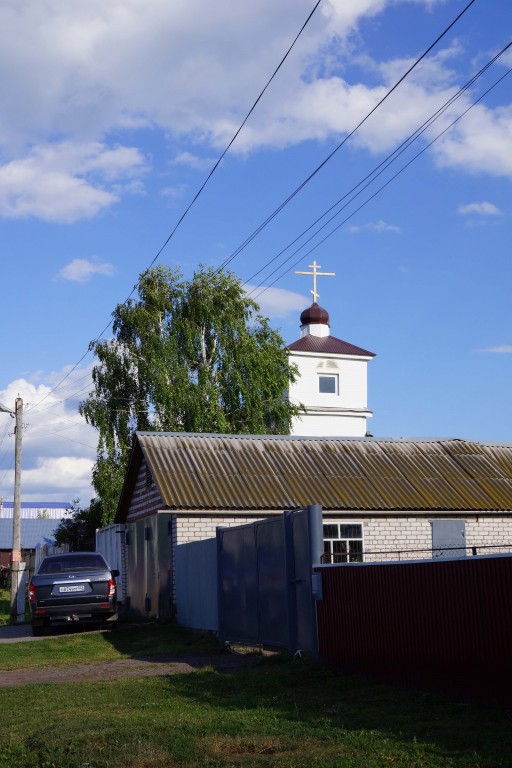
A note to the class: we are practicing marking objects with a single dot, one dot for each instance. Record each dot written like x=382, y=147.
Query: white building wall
x=486, y=533
x=352, y=380
x=395, y=537
x=195, y=528
x=329, y=425
x=343, y=413
x=400, y=538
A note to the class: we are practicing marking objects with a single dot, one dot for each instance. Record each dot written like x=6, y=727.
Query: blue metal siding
x=33, y=532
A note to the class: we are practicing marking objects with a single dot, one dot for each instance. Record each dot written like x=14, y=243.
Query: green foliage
x=187, y=356
x=79, y=530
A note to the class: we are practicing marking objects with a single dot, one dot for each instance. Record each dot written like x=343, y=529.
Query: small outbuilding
x=381, y=498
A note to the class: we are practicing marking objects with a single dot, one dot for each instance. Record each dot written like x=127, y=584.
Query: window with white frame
x=328, y=383
x=343, y=542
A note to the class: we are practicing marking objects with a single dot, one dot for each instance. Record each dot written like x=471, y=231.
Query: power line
x=293, y=194
x=198, y=193
x=370, y=177
x=306, y=181
x=384, y=185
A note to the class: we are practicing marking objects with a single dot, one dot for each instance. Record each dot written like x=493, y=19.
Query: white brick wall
x=486, y=533
x=398, y=537
x=195, y=528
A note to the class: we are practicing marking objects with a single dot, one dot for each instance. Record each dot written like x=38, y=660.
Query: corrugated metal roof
x=228, y=472
x=33, y=532
x=327, y=345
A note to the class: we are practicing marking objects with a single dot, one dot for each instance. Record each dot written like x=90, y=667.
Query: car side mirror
x=115, y=573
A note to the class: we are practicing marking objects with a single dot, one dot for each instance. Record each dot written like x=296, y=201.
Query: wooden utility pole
x=16, y=568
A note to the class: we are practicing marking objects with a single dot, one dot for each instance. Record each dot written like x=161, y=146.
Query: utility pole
x=17, y=567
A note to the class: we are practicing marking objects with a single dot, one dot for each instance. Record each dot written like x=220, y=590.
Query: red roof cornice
x=327, y=345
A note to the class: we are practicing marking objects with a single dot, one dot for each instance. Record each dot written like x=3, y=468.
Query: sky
x=112, y=116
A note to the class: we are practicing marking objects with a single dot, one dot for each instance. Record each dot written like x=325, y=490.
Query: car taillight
x=32, y=593
x=111, y=587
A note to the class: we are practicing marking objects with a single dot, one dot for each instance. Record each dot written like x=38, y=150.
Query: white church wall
x=351, y=384
x=329, y=425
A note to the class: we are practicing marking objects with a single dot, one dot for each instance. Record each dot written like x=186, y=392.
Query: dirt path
x=109, y=670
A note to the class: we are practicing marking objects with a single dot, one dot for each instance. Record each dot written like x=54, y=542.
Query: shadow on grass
x=146, y=640
x=306, y=693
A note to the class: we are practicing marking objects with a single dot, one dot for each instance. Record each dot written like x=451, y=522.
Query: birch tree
x=186, y=356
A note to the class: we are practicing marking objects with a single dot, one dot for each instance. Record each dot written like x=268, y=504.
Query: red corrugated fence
x=445, y=623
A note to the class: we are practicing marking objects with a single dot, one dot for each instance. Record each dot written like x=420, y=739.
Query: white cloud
x=88, y=71
x=276, y=302
x=59, y=448
x=174, y=193
x=57, y=475
x=84, y=69
x=189, y=160
x=503, y=349
x=375, y=226
x=81, y=270
x=479, y=143
x=65, y=182
x=481, y=209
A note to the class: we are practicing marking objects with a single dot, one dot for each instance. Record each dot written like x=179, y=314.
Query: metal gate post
x=291, y=600
x=220, y=605
x=316, y=548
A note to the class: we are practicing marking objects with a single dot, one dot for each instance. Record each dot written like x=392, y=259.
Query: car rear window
x=63, y=564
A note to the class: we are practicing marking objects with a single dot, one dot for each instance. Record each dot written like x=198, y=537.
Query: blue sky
x=114, y=113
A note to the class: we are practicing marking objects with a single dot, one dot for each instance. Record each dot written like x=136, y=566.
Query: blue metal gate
x=264, y=572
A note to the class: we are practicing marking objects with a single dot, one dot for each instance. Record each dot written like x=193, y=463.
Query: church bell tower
x=332, y=382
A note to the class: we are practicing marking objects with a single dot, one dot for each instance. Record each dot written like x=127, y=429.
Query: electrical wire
x=324, y=162
x=424, y=149
x=294, y=193
x=370, y=177
x=198, y=193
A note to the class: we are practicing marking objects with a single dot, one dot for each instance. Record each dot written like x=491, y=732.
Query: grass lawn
x=279, y=713
x=5, y=606
x=72, y=647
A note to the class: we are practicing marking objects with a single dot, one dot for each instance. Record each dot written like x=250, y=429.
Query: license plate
x=73, y=588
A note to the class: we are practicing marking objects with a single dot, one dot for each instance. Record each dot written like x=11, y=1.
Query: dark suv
x=72, y=587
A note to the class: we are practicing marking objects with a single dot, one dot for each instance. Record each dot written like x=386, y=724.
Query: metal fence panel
x=306, y=537
x=446, y=622
x=237, y=575
x=196, y=584
x=272, y=582
x=265, y=580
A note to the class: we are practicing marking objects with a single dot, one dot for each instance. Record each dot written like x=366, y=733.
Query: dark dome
x=314, y=315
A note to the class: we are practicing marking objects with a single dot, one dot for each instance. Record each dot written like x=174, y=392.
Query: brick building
x=381, y=499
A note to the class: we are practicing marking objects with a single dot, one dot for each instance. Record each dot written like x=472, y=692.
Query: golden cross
x=315, y=267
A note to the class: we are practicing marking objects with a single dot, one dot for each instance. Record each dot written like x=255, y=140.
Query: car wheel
x=37, y=630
